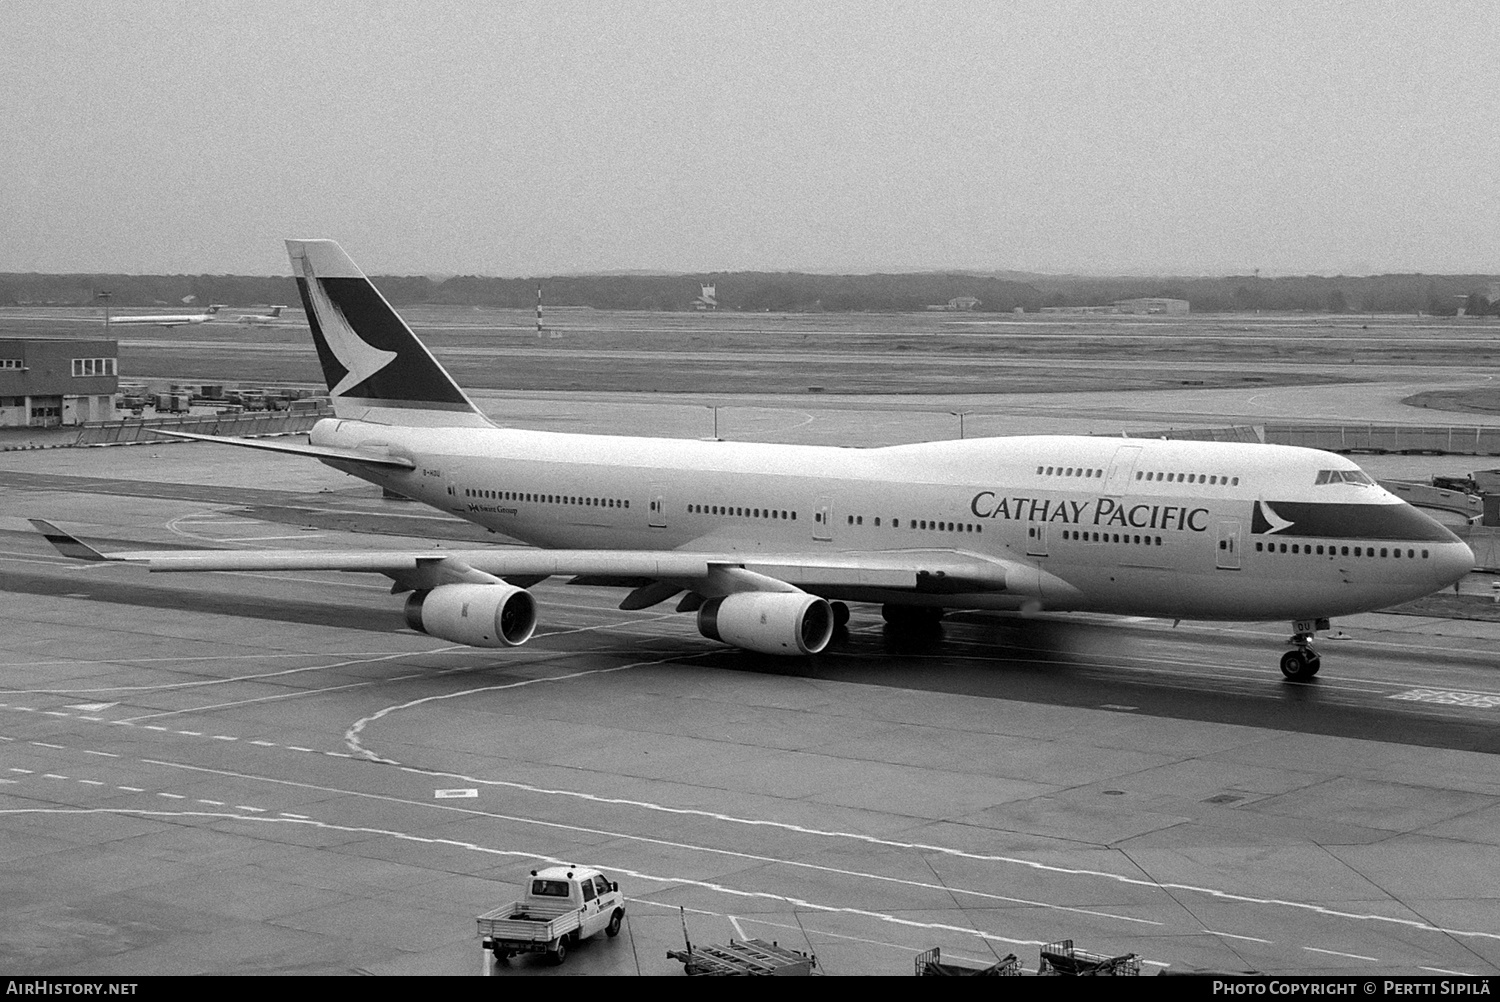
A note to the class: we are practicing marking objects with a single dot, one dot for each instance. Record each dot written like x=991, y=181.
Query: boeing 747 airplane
x=766, y=543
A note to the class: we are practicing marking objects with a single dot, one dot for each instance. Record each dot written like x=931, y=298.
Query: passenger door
x=1228, y=552
x=823, y=519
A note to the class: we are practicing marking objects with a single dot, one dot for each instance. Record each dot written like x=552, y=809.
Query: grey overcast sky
x=542, y=138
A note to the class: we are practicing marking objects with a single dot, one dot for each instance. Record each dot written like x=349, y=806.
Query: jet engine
x=770, y=622
x=480, y=615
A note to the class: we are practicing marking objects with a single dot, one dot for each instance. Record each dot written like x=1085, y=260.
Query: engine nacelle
x=480, y=615
x=770, y=622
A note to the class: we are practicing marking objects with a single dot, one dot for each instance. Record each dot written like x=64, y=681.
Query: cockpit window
x=1345, y=477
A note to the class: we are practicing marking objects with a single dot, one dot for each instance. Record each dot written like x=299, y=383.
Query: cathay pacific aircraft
x=766, y=543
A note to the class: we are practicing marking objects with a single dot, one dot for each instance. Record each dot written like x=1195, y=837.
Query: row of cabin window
x=474, y=492
x=738, y=512
x=915, y=523
x=1067, y=471
x=1189, y=478
x=1338, y=551
x=1111, y=537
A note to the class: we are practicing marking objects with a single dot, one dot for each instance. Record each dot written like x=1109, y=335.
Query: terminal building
x=46, y=382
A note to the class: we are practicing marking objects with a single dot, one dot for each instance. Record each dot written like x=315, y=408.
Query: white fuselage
x=1138, y=526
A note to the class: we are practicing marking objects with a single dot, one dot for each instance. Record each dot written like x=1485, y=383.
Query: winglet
x=67, y=545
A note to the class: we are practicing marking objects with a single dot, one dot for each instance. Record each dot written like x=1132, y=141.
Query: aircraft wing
x=709, y=574
x=317, y=451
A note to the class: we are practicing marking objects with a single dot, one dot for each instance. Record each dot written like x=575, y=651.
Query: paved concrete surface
x=267, y=773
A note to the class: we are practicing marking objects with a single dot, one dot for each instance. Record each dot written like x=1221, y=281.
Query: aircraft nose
x=1453, y=561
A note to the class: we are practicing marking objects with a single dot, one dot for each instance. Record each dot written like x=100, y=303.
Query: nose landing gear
x=1302, y=662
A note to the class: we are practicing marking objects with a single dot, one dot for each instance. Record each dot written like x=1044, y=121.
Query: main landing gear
x=1302, y=662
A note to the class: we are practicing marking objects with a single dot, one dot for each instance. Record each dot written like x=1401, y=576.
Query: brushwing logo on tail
x=359, y=337
x=359, y=359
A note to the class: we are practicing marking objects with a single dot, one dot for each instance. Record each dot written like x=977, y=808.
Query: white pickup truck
x=563, y=904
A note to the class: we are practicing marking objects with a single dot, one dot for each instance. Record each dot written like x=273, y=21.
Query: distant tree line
x=1440, y=295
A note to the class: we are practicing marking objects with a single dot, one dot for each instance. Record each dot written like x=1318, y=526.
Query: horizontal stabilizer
x=316, y=451
x=66, y=544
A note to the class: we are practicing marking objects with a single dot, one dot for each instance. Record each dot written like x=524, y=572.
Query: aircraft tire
x=1299, y=666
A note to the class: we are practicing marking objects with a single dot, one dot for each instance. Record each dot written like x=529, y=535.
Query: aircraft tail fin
x=66, y=543
x=376, y=368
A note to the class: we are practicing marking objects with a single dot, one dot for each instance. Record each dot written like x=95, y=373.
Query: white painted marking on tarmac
x=218, y=737
x=92, y=707
x=338, y=754
x=1440, y=970
x=1446, y=697
x=738, y=930
x=1336, y=953
x=264, y=744
x=1034, y=865
x=91, y=782
x=26, y=709
x=94, y=719
x=43, y=744
x=172, y=796
x=211, y=803
x=454, y=794
x=259, y=539
x=351, y=736
x=56, y=713
x=648, y=840
x=18, y=769
x=130, y=789
x=298, y=748
x=1117, y=706
x=53, y=775
x=246, y=807
x=153, y=727
x=294, y=817
x=192, y=734
x=102, y=754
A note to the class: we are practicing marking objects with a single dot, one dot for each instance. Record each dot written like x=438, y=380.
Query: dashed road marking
x=192, y=734
x=246, y=807
x=172, y=796
x=43, y=744
x=218, y=737
x=211, y=803
x=91, y=782
x=297, y=748
x=264, y=744
x=153, y=727
x=53, y=775
x=1447, y=697
x=17, y=769
x=131, y=789
x=1336, y=953
x=102, y=754
x=454, y=794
